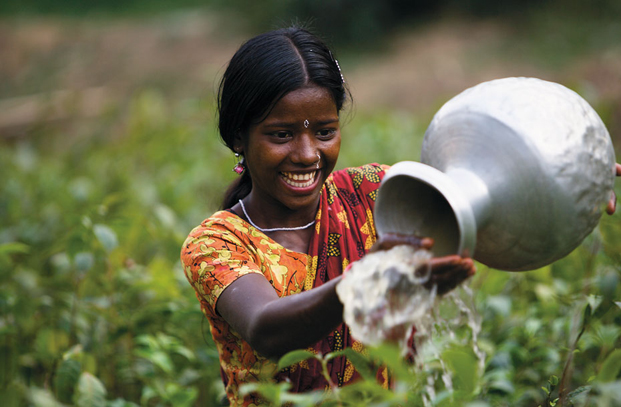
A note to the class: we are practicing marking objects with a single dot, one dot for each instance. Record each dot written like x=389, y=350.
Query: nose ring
x=318, y=159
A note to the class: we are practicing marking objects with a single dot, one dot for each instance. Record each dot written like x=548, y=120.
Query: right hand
x=389, y=240
x=446, y=272
x=449, y=271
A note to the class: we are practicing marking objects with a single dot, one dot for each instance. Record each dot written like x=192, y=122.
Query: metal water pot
x=515, y=173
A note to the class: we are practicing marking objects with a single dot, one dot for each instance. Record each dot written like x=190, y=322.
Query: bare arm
x=274, y=326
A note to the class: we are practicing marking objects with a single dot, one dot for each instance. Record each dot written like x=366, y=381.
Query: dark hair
x=261, y=72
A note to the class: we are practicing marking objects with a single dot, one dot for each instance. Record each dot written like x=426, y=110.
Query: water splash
x=473, y=320
x=455, y=321
x=384, y=297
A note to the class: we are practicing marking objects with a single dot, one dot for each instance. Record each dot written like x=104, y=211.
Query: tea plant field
x=95, y=309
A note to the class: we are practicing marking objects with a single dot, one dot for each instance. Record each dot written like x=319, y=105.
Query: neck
x=285, y=226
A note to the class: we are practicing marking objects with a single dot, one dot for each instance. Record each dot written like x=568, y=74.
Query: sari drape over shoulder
x=224, y=247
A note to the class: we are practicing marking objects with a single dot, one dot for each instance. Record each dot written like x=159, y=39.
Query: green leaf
x=183, y=351
x=148, y=393
x=594, y=301
x=308, y=399
x=106, y=236
x=84, y=261
x=182, y=397
x=611, y=367
x=42, y=398
x=121, y=403
x=90, y=392
x=586, y=317
x=391, y=356
x=502, y=385
x=580, y=391
x=553, y=380
x=50, y=342
x=294, y=357
x=464, y=366
x=360, y=362
x=66, y=377
x=160, y=359
x=148, y=340
x=271, y=391
x=12, y=248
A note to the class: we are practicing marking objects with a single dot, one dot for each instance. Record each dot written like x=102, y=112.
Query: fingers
x=389, y=240
x=448, y=264
x=449, y=271
x=612, y=204
x=426, y=243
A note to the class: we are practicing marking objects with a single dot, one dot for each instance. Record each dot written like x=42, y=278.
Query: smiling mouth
x=299, y=180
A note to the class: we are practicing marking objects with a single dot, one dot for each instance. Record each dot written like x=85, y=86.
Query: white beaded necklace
x=272, y=229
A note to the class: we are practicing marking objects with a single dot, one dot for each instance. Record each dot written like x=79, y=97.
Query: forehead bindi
x=312, y=103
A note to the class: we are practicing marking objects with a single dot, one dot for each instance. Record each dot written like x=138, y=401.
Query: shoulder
x=216, y=253
x=221, y=231
x=219, y=223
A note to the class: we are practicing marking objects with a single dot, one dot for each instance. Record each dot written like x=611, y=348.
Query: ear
x=238, y=142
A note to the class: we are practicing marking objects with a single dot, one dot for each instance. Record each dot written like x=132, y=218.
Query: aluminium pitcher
x=515, y=173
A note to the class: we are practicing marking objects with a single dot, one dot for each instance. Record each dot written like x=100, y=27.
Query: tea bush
x=95, y=309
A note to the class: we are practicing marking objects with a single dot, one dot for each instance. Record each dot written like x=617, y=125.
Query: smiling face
x=290, y=154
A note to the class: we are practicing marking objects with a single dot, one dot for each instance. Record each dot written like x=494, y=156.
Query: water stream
x=384, y=297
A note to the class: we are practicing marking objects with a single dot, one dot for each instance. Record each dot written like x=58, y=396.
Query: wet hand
x=389, y=240
x=612, y=204
x=448, y=272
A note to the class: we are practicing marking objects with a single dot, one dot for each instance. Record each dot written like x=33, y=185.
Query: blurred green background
x=109, y=156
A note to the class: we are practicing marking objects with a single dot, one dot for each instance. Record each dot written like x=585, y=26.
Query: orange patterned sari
x=224, y=247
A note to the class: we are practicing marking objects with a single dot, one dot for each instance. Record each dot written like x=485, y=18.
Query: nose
x=306, y=152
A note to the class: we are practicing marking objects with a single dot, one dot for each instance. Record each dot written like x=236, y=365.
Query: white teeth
x=307, y=179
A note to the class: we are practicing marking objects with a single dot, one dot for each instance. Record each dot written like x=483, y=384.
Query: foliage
x=92, y=296
x=95, y=309
x=80, y=8
x=358, y=23
x=548, y=337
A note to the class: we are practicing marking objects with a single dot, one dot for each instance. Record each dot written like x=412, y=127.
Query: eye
x=326, y=133
x=281, y=135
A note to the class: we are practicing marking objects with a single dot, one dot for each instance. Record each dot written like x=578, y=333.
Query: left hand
x=612, y=204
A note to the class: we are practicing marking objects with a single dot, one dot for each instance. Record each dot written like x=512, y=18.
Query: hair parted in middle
x=262, y=71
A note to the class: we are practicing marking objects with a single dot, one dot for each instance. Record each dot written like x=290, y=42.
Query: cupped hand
x=612, y=204
x=448, y=272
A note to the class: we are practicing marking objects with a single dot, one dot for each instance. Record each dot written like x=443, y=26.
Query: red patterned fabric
x=225, y=247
